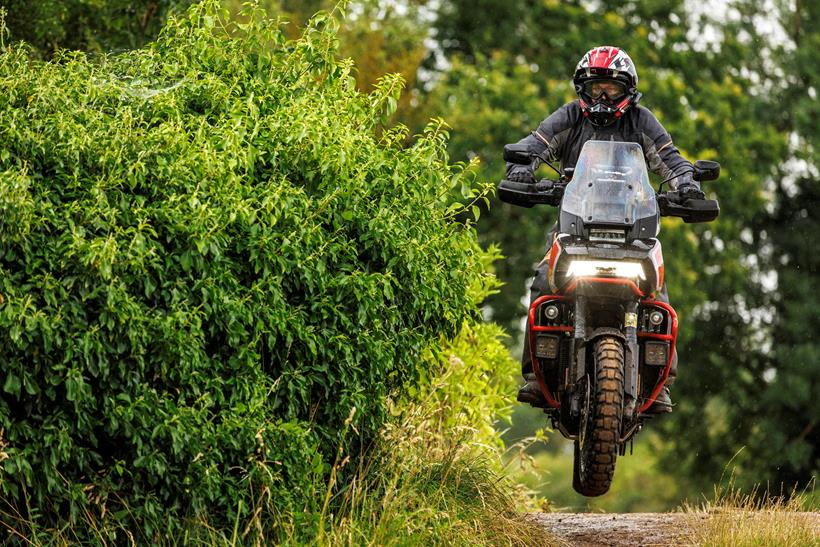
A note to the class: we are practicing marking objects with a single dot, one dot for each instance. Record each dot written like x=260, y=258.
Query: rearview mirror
x=518, y=154
x=706, y=170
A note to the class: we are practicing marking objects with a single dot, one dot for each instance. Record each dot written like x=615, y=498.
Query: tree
x=765, y=354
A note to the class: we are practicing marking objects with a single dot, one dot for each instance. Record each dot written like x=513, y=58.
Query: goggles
x=613, y=89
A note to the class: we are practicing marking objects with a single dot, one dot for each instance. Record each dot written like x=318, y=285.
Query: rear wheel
x=597, y=445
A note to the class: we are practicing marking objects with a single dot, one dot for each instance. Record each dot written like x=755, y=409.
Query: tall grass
x=429, y=486
x=737, y=519
x=436, y=477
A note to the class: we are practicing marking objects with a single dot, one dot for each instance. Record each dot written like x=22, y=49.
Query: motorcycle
x=601, y=343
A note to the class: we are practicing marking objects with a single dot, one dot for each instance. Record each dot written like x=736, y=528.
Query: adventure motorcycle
x=601, y=344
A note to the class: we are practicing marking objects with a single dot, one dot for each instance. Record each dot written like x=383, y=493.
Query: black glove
x=521, y=173
x=543, y=186
x=689, y=190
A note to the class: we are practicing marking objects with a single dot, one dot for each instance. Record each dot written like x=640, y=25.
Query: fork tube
x=580, y=338
x=578, y=365
x=631, y=358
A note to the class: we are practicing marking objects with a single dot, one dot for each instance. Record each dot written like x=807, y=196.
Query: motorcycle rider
x=607, y=108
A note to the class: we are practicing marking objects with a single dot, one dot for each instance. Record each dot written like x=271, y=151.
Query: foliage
x=90, y=25
x=215, y=275
x=438, y=480
x=433, y=478
x=756, y=354
x=381, y=36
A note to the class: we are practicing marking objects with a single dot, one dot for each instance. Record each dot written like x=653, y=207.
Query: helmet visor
x=613, y=89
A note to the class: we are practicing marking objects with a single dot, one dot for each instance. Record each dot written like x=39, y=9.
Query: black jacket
x=564, y=132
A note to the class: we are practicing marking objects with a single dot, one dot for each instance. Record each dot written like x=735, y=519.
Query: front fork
x=578, y=364
x=631, y=359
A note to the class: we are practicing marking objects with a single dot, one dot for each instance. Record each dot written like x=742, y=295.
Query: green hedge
x=90, y=25
x=211, y=252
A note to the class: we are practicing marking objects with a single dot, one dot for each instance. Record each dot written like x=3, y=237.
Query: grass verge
x=736, y=519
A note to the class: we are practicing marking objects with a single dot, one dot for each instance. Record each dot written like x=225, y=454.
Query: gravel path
x=616, y=530
x=628, y=529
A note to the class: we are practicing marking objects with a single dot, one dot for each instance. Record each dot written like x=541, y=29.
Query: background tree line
x=738, y=85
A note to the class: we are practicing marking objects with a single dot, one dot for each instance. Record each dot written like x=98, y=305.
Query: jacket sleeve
x=662, y=157
x=551, y=135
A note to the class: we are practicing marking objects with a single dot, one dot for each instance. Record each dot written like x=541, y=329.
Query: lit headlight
x=595, y=268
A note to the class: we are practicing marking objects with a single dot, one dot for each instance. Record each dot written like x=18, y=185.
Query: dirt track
x=611, y=530
x=626, y=529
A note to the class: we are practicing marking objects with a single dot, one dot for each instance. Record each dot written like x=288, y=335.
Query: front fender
x=606, y=331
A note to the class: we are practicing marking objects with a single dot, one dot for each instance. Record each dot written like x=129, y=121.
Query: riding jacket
x=564, y=132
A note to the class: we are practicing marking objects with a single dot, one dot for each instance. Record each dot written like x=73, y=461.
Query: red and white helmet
x=606, y=83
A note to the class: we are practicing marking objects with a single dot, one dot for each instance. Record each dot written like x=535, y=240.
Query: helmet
x=606, y=83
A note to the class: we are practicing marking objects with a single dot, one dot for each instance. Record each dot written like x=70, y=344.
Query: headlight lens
x=603, y=268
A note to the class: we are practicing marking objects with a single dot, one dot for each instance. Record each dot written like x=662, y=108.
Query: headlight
x=595, y=268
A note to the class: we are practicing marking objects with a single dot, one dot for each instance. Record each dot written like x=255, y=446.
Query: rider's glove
x=690, y=191
x=543, y=186
x=521, y=173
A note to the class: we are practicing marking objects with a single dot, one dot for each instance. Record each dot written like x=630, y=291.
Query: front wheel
x=597, y=445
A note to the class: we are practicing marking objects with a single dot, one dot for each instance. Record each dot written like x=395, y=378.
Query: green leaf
x=12, y=384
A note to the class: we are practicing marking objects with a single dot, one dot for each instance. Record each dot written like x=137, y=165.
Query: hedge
x=211, y=252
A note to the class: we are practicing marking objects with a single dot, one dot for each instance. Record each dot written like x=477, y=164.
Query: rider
x=607, y=109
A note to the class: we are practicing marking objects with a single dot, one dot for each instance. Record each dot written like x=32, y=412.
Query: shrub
x=95, y=25
x=211, y=252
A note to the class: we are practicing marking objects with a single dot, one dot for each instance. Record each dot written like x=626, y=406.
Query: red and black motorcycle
x=601, y=343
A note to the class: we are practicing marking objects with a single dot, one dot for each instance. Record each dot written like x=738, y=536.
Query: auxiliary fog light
x=551, y=312
x=596, y=268
x=656, y=318
x=546, y=346
x=656, y=353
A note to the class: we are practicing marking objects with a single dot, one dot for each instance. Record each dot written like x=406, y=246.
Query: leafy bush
x=432, y=478
x=91, y=25
x=211, y=252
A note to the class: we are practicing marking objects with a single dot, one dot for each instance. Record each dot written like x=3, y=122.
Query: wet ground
x=616, y=530
x=627, y=529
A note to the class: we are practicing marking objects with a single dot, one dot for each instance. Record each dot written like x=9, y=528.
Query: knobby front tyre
x=597, y=446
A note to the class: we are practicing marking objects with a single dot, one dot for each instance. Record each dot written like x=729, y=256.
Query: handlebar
x=525, y=194
x=691, y=210
x=549, y=192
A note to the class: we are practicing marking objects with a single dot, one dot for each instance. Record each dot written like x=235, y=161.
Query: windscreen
x=610, y=185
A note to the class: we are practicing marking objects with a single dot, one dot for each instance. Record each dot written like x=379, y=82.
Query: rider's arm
x=550, y=137
x=662, y=157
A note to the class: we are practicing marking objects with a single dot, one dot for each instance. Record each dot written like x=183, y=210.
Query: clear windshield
x=610, y=184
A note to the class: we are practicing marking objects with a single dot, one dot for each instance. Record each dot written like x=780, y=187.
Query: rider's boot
x=663, y=402
x=530, y=392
